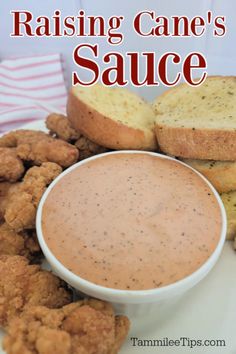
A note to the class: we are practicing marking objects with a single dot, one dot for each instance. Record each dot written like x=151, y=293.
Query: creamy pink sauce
x=131, y=221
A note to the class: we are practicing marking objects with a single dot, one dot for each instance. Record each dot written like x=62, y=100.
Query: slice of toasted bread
x=222, y=174
x=112, y=117
x=198, y=122
x=229, y=200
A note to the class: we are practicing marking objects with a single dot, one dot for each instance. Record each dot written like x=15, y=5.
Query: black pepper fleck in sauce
x=131, y=221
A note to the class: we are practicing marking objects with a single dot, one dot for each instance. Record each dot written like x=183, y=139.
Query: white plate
x=208, y=312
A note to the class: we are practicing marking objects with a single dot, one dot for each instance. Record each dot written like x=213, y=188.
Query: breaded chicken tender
x=39, y=147
x=21, y=206
x=6, y=190
x=83, y=327
x=59, y=125
x=11, y=167
x=23, y=285
x=87, y=148
x=22, y=243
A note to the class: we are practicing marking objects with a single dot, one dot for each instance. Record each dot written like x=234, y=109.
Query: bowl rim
x=130, y=296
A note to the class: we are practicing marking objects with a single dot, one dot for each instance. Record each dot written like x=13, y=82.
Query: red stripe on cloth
x=35, y=88
x=3, y=104
x=54, y=73
x=25, y=108
x=15, y=58
x=19, y=108
x=45, y=74
x=26, y=66
x=20, y=121
x=63, y=95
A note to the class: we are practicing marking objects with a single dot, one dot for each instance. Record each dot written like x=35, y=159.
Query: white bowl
x=133, y=303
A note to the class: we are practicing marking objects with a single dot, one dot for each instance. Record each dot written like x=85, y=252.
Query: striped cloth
x=30, y=88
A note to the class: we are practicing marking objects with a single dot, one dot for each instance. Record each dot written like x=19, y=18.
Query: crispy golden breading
x=83, y=327
x=37, y=178
x=20, y=212
x=21, y=206
x=39, y=147
x=122, y=326
x=11, y=167
x=23, y=285
x=59, y=125
x=6, y=190
x=87, y=148
x=22, y=243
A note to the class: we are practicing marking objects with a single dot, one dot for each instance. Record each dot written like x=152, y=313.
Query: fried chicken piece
x=38, y=177
x=6, y=190
x=122, y=326
x=21, y=212
x=83, y=327
x=22, y=244
x=59, y=125
x=11, y=167
x=23, y=285
x=87, y=148
x=39, y=147
x=21, y=206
